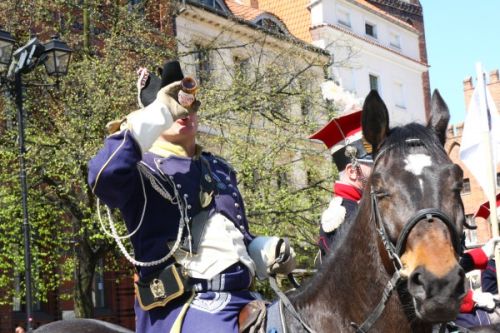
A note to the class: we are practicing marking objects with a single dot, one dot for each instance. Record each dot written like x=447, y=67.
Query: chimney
x=494, y=76
x=468, y=83
x=249, y=3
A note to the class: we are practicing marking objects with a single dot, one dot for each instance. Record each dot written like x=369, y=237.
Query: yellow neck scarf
x=165, y=149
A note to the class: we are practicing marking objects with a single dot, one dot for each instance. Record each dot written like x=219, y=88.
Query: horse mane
x=400, y=139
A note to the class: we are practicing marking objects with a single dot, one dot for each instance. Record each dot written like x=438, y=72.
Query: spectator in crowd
x=351, y=156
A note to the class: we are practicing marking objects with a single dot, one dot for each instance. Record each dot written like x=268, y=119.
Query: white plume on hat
x=346, y=100
x=334, y=215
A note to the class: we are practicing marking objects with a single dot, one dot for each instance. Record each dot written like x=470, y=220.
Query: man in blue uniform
x=184, y=214
x=343, y=137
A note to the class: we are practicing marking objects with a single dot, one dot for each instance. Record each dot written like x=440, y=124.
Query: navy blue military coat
x=115, y=179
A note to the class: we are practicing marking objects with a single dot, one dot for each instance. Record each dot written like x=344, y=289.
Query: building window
x=241, y=66
x=202, y=63
x=374, y=85
x=470, y=234
x=343, y=17
x=399, y=96
x=282, y=179
x=394, y=40
x=18, y=303
x=98, y=294
x=305, y=106
x=211, y=3
x=371, y=30
x=466, y=188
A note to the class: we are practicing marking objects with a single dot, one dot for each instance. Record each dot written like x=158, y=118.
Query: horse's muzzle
x=437, y=299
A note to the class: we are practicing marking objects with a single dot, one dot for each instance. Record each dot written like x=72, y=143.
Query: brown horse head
x=415, y=192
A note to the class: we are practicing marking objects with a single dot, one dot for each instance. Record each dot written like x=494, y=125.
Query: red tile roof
x=373, y=8
x=242, y=11
x=295, y=14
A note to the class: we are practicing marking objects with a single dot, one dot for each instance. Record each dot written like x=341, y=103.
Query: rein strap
x=389, y=288
x=288, y=305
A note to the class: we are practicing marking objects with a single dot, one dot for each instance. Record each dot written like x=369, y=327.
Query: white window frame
x=377, y=76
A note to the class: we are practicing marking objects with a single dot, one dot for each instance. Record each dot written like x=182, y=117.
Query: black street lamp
x=6, y=47
x=58, y=56
x=55, y=54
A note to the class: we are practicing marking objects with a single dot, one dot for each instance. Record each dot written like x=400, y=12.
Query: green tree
x=261, y=121
x=64, y=128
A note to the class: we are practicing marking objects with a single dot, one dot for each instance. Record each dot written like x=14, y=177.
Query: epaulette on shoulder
x=220, y=159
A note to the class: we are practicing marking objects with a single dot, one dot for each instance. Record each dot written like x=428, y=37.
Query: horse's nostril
x=417, y=284
x=416, y=279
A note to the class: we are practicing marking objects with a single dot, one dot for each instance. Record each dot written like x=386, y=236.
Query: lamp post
x=56, y=55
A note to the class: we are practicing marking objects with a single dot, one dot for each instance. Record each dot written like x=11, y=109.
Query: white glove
x=485, y=300
x=166, y=96
x=285, y=263
x=148, y=123
x=489, y=247
x=271, y=255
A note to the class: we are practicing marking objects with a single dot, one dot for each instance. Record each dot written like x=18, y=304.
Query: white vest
x=221, y=246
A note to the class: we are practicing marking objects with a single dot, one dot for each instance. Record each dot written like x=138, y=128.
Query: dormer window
x=371, y=30
x=270, y=25
x=212, y=3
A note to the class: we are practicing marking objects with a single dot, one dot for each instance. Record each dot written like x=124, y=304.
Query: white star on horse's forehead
x=415, y=163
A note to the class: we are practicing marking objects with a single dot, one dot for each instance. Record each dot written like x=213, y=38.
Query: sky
x=459, y=34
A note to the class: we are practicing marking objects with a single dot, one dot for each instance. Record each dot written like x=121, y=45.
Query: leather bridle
x=395, y=251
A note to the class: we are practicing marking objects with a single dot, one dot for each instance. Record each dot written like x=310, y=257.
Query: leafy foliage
x=261, y=113
x=64, y=128
x=262, y=120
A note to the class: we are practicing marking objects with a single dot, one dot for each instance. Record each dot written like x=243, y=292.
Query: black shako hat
x=343, y=132
x=171, y=72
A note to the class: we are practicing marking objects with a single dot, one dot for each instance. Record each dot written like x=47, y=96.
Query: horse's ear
x=440, y=116
x=375, y=119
